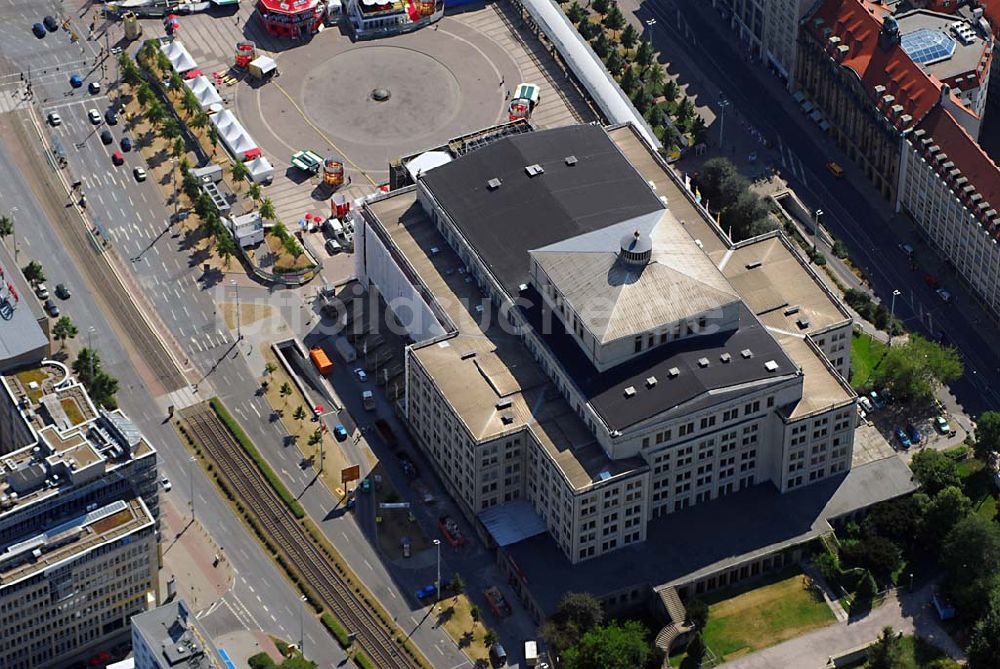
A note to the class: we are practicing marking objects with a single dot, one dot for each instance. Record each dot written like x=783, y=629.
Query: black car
x=126, y=144
x=106, y=137
x=62, y=291
x=111, y=117
x=52, y=308
x=50, y=24
x=39, y=30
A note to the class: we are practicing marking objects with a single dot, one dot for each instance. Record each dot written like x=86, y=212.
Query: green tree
x=6, y=226
x=213, y=137
x=155, y=113
x=935, y=471
x=103, y=389
x=163, y=63
x=576, y=614
x=642, y=100
x=601, y=6
x=899, y=520
x=34, y=273
x=489, y=637
x=457, y=584
x=655, y=78
x=886, y=652
x=285, y=391
x=576, y=14
x=300, y=413
x=629, y=37
x=291, y=246
x=614, y=62
x=612, y=646
x=266, y=210
x=876, y=554
x=270, y=368
x=602, y=44
x=199, y=120
x=988, y=436
x=644, y=54
x=748, y=216
x=144, y=94
x=614, y=20
x=316, y=437
x=670, y=91
x=684, y=109
x=720, y=182
x=176, y=82
x=254, y=192
x=170, y=129
x=589, y=30
x=86, y=365
x=970, y=557
x=629, y=81
x=190, y=102
x=239, y=172
x=476, y=614
x=984, y=642
x=64, y=329
x=225, y=246
x=130, y=73
x=914, y=370
x=695, y=651
x=697, y=613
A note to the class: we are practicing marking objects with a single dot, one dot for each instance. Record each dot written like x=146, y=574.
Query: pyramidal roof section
x=618, y=298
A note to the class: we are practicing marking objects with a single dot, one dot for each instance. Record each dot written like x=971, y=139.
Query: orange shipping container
x=320, y=359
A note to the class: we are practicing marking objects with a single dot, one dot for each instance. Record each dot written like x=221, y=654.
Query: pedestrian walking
x=501, y=81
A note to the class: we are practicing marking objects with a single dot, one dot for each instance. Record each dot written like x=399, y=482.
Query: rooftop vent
x=533, y=170
x=754, y=264
x=435, y=250
x=504, y=403
x=703, y=362
x=507, y=418
x=636, y=248
x=746, y=353
x=803, y=322
x=468, y=354
x=571, y=160
x=651, y=381
x=522, y=287
x=673, y=372
x=725, y=357
x=771, y=366
x=630, y=392
x=479, y=308
x=794, y=309
x=493, y=183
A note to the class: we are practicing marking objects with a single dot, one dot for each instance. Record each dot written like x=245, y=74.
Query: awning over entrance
x=512, y=522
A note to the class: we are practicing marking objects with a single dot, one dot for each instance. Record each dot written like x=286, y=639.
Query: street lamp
x=302, y=627
x=437, y=583
x=191, y=481
x=13, y=231
x=90, y=345
x=723, y=103
x=892, y=312
x=239, y=330
x=818, y=220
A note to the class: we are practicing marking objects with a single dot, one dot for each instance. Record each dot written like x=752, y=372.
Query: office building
x=170, y=637
x=78, y=521
x=767, y=30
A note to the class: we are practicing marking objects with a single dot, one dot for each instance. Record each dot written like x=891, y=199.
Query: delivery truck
x=321, y=360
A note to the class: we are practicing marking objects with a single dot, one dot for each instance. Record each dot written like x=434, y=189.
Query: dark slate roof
x=529, y=212
x=606, y=390
x=720, y=533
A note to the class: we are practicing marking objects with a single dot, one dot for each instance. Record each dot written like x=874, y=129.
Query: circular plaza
x=377, y=100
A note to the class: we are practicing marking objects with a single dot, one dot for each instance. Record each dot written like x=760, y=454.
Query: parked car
x=865, y=403
x=426, y=591
x=126, y=144
x=106, y=137
x=117, y=158
x=904, y=439
x=55, y=119
x=39, y=30
x=333, y=247
x=340, y=432
x=941, y=425
x=906, y=249
x=140, y=174
x=405, y=542
x=361, y=374
x=50, y=24
x=42, y=291
x=94, y=87
x=366, y=485
x=167, y=485
x=111, y=117
x=835, y=169
x=876, y=400
x=913, y=433
x=62, y=291
x=943, y=294
x=52, y=308
x=94, y=116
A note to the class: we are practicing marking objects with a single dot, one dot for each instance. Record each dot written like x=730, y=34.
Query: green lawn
x=744, y=620
x=918, y=653
x=978, y=485
x=866, y=354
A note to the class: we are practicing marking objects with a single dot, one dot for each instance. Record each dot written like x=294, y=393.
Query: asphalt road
x=854, y=211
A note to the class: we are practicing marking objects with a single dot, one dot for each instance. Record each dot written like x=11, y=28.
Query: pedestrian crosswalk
x=791, y=165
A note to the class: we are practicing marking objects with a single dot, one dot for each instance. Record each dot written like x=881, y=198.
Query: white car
x=94, y=116
x=55, y=119
x=943, y=294
x=361, y=374
x=167, y=485
x=906, y=249
x=140, y=174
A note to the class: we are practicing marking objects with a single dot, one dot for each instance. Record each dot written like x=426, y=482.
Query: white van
x=333, y=227
x=530, y=653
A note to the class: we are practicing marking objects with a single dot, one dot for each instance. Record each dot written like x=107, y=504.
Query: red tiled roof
x=961, y=149
x=857, y=23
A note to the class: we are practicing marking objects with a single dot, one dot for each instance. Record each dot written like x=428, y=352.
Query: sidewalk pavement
x=188, y=552
x=907, y=612
x=829, y=596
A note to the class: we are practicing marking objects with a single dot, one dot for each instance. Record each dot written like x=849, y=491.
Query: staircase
x=677, y=622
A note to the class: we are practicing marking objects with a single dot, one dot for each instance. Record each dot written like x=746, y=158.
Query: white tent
x=425, y=162
x=179, y=57
x=204, y=90
x=233, y=135
x=262, y=66
x=261, y=171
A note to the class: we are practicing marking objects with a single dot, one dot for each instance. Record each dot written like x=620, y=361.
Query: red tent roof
x=287, y=6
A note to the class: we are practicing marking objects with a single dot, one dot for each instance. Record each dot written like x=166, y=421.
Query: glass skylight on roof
x=928, y=46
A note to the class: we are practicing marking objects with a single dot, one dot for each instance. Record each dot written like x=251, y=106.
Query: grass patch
x=977, y=483
x=753, y=618
x=456, y=618
x=919, y=653
x=363, y=661
x=866, y=355
x=234, y=428
x=336, y=629
x=72, y=410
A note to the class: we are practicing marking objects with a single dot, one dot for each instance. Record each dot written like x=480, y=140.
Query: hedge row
x=363, y=661
x=251, y=450
x=336, y=629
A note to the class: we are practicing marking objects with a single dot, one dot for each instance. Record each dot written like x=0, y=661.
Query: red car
x=117, y=158
x=931, y=281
